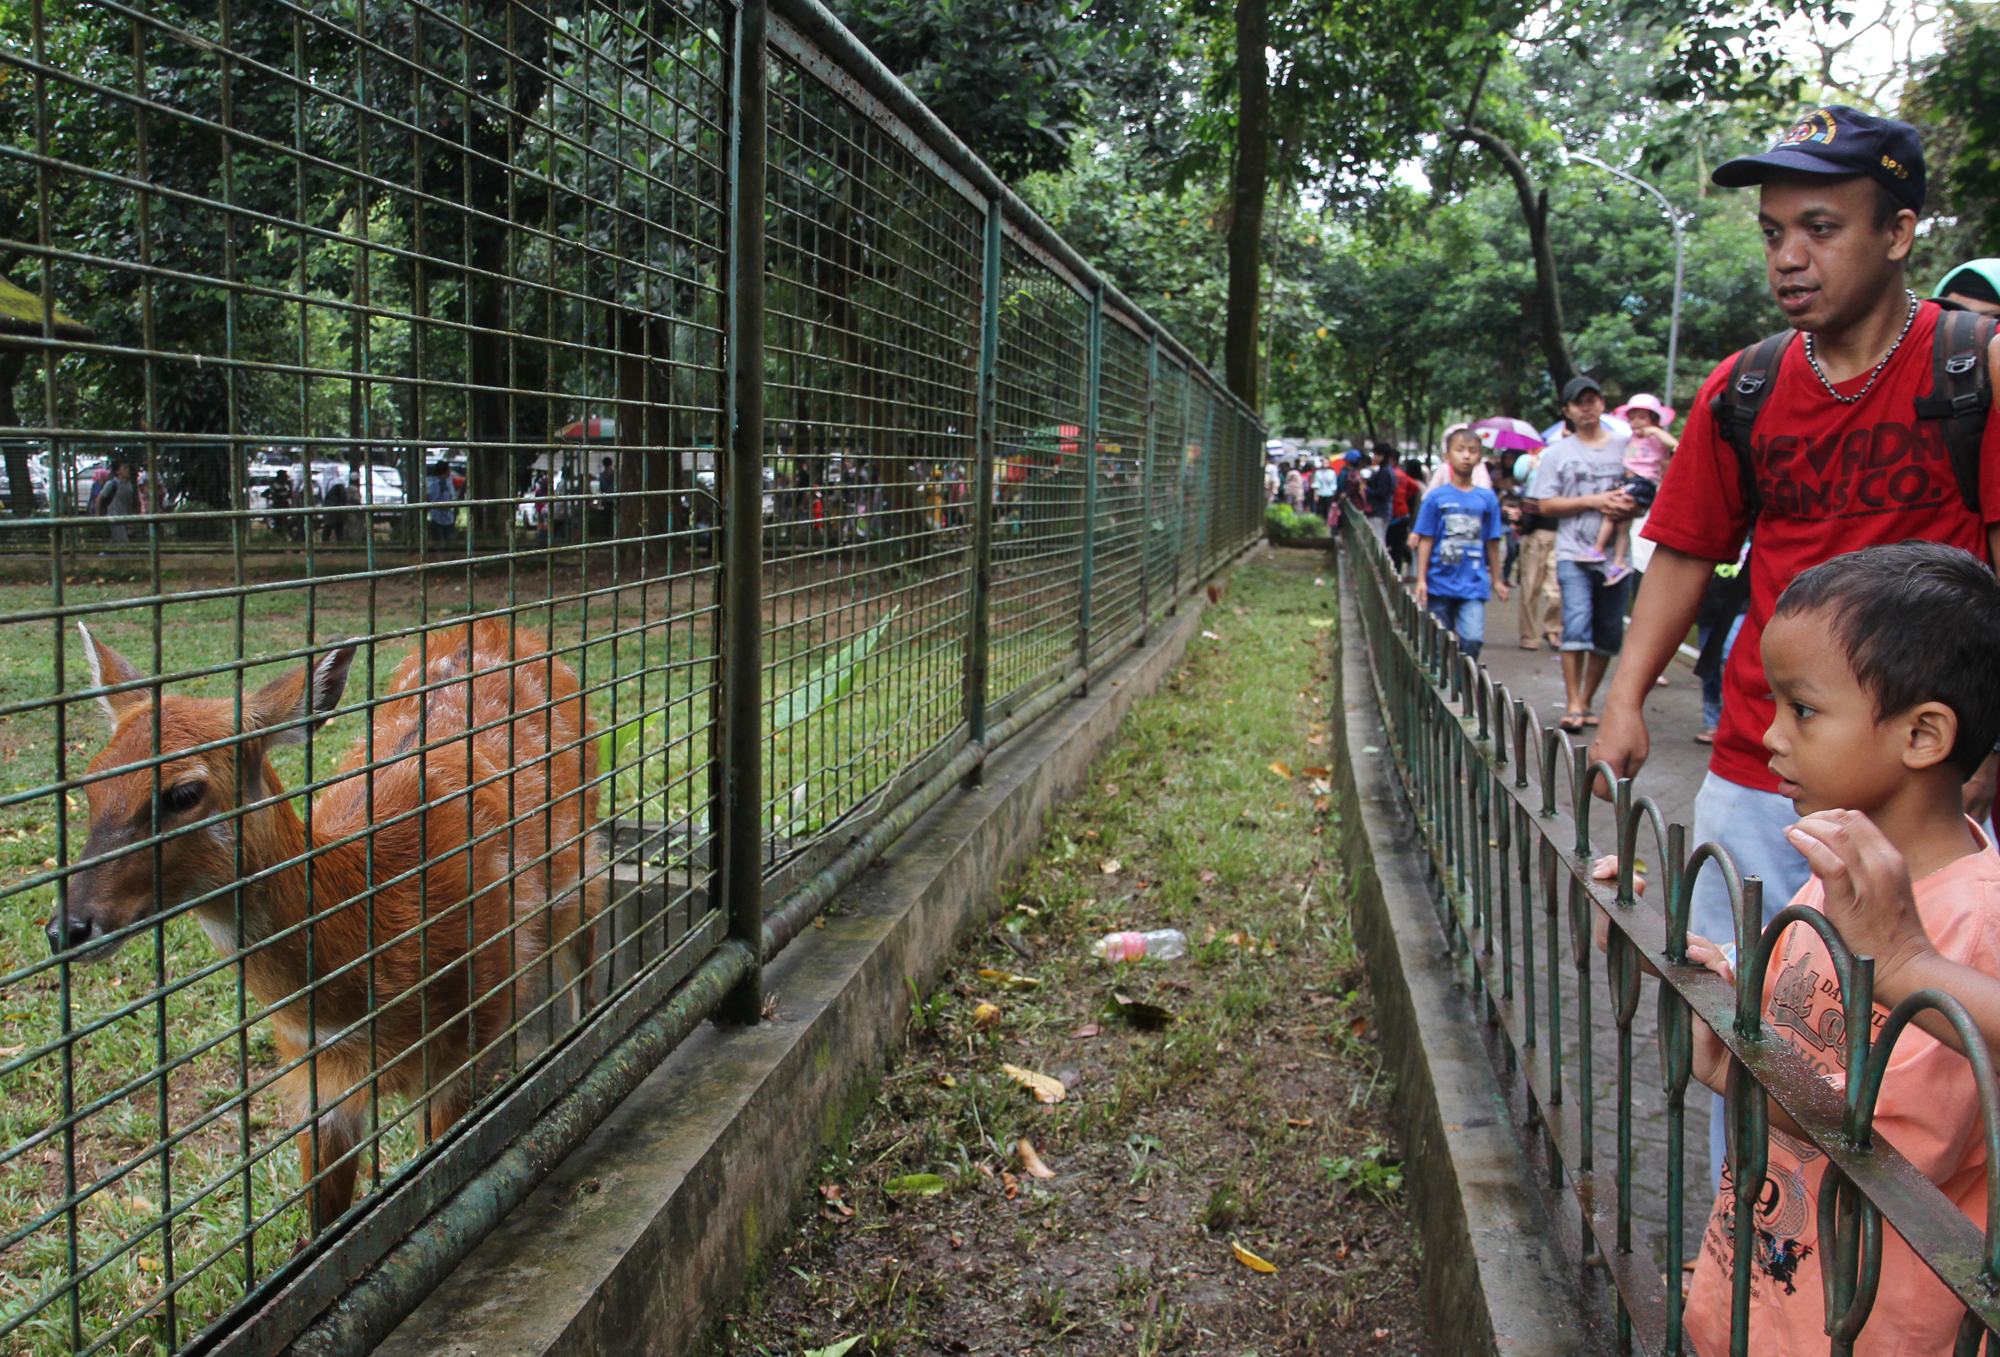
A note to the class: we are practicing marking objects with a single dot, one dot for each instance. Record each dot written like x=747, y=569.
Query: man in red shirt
x=1841, y=462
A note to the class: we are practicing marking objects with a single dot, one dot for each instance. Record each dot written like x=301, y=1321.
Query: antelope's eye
x=182, y=797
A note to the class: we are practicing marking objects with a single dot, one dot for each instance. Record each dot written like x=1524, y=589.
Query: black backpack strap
x=1961, y=393
x=1735, y=407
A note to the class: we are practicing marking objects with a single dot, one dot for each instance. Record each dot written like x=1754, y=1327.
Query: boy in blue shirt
x=1458, y=532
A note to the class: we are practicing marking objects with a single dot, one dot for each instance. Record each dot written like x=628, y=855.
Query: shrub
x=1282, y=520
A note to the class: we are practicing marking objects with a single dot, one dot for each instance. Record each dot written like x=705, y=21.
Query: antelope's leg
x=328, y=1161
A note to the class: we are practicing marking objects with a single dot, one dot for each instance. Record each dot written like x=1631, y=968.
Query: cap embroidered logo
x=1816, y=126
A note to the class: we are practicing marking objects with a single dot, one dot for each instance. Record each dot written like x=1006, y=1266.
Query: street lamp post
x=1674, y=218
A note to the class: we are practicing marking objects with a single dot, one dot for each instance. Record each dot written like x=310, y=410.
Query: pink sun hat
x=1646, y=400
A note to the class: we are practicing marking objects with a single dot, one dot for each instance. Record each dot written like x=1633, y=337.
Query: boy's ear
x=1931, y=730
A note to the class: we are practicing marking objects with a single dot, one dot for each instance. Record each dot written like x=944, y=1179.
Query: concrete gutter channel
x=1494, y=1277
x=641, y=1238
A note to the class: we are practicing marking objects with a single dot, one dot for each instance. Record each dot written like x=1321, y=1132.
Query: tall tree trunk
x=20, y=490
x=1535, y=212
x=1246, y=218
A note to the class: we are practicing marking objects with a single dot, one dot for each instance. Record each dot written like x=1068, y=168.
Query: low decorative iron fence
x=1504, y=809
x=513, y=506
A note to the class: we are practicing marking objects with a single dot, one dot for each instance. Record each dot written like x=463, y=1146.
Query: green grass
x=1198, y=1116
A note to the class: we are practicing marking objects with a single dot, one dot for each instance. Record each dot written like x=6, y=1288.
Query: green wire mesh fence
x=452, y=584
x=1504, y=809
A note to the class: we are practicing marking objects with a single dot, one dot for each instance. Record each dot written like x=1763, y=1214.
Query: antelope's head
x=134, y=864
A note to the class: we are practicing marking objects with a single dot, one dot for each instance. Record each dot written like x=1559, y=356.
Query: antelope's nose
x=67, y=932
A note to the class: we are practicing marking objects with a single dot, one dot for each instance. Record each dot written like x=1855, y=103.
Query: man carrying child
x=1646, y=457
x=1458, y=532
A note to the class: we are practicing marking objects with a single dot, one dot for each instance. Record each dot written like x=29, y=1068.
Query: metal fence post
x=1146, y=493
x=1180, y=488
x=1207, y=487
x=977, y=649
x=741, y=669
x=1093, y=380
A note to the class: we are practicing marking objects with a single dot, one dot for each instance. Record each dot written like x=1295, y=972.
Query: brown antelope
x=508, y=865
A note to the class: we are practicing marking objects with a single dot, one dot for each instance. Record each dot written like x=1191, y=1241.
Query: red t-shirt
x=1832, y=479
x=1409, y=494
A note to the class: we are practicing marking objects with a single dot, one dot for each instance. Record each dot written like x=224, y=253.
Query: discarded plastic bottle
x=1162, y=943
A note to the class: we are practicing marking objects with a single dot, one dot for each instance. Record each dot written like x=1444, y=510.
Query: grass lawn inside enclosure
x=863, y=675
x=1227, y=1183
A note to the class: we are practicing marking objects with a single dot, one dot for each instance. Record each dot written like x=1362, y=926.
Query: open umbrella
x=1509, y=435
x=1610, y=421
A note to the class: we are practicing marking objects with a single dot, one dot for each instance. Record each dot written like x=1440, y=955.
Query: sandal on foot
x=1573, y=722
x=1531, y=645
x=1706, y=736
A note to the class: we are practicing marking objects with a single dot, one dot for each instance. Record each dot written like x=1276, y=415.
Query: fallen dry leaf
x=1251, y=1260
x=1010, y=1186
x=832, y=1193
x=1298, y=1121
x=1110, y=866
x=1379, y=1335
x=1357, y=1027
x=1214, y=593
x=1110, y=789
x=1316, y=772
x=1141, y=1015
x=1031, y=1163
x=1088, y=1030
x=957, y=1240
x=1280, y=769
x=946, y=1081
x=1322, y=803
x=1045, y=1089
x=9, y=1052
x=1315, y=739
x=985, y=1015
x=1206, y=876
x=1007, y=979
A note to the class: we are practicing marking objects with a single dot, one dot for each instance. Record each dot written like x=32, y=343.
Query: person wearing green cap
x=1974, y=285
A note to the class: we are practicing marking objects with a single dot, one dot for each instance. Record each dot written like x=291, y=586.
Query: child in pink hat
x=1645, y=462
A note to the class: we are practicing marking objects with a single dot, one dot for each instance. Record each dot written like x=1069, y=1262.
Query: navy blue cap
x=1840, y=140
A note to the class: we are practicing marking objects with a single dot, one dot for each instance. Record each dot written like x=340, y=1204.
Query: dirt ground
x=1221, y=1180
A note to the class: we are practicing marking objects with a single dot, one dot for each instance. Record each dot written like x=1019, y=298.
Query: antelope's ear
x=110, y=669
x=302, y=700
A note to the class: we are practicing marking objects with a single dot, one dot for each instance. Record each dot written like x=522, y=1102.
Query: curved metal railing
x=1507, y=829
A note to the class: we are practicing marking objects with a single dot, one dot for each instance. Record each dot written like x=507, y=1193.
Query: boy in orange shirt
x=1882, y=664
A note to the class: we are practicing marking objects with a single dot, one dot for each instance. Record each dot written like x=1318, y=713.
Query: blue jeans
x=1711, y=687
x=1751, y=825
x=1593, y=611
x=1464, y=616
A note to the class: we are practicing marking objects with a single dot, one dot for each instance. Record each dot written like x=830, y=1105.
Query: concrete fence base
x=1494, y=1278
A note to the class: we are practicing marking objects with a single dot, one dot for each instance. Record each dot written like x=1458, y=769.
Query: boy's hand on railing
x=1868, y=893
x=1711, y=1057
x=1606, y=869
